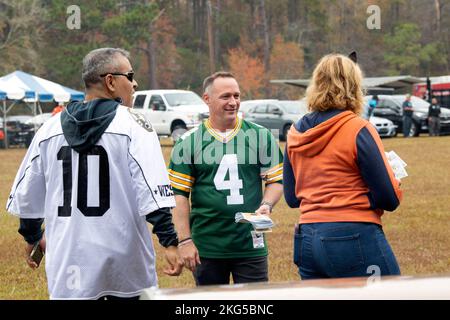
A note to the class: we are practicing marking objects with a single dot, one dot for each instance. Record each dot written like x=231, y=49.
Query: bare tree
x=21, y=31
x=217, y=54
x=212, y=65
x=150, y=52
x=437, y=6
x=265, y=29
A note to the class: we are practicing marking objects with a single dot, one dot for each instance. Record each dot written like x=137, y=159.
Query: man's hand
x=29, y=248
x=264, y=209
x=189, y=254
x=173, y=259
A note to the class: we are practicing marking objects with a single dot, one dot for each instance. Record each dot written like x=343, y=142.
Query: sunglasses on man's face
x=129, y=75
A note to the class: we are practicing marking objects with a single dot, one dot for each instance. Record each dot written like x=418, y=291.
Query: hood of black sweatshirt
x=83, y=123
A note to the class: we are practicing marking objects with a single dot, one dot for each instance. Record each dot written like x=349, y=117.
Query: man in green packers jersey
x=221, y=164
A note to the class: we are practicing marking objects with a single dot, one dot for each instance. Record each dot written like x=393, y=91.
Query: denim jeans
x=407, y=122
x=343, y=249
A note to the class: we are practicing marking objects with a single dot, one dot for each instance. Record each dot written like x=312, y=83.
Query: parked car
x=390, y=107
x=171, y=112
x=18, y=132
x=280, y=115
x=385, y=127
x=274, y=114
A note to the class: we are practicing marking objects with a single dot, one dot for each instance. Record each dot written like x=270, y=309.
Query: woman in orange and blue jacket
x=337, y=174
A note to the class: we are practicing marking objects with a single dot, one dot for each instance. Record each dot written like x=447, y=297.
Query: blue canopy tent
x=31, y=89
x=38, y=89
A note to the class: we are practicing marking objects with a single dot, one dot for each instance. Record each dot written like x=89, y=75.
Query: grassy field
x=419, y=230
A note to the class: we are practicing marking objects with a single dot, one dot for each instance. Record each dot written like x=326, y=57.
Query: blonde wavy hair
x=336, y=84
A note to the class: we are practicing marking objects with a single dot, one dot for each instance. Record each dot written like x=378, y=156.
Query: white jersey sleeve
x=147, y=168
x=27, y=197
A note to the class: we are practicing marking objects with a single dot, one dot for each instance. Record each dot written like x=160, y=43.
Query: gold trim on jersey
x=275, y=179
x=273, y=170
x=180, y=181
x=274, y=174
x=181, y=175
x=229, y=136
x=180, y=187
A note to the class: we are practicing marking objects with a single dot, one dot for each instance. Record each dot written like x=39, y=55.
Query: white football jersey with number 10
x=94, y=205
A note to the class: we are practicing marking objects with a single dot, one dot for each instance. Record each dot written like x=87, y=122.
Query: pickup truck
x=171, y=112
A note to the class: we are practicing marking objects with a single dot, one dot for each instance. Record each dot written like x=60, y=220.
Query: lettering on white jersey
x=163, y=190
x=141, y=120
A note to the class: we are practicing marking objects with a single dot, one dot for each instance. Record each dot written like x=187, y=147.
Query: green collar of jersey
x=219, y=137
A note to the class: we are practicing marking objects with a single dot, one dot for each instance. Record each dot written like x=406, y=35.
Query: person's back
x=331, y=142
x=95, y=228
x=337, y=174
x=89, y=175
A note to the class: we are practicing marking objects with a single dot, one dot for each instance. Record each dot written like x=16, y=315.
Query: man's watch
x=267, y=203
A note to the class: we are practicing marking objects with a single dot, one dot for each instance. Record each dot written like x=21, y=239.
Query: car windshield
x=182, y=99
x=294, y=107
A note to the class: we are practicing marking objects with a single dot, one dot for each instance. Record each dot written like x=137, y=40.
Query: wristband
x=185, y=241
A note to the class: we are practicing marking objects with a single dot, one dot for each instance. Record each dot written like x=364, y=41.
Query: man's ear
x=109, y=82
x=205, y=98
x=353, y=57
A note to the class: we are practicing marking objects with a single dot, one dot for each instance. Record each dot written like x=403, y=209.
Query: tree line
x=176, y=43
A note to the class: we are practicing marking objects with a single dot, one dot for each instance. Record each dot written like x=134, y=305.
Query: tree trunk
x=437, y=5
x=212, y=65
x=293, y=11
x=195, y=16
x=151, y=61
x=265, y=28
x=253, y=13
x=217, y=55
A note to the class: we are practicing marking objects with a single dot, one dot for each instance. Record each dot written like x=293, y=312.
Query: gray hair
x=100, y=61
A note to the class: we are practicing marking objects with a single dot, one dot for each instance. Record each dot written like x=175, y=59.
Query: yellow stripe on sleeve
x=275, y=179
x=180, y=187
x=274, y=173
x=180, y=182
x=181, y=175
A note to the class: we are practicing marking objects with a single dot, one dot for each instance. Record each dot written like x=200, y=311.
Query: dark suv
x=390, y=107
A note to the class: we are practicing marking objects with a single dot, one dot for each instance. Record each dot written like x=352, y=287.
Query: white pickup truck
x=171, y=112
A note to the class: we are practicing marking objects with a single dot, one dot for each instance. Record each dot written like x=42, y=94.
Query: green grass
x=418, y=230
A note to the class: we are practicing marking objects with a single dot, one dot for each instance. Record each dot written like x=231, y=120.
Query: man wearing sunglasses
x=89, y=176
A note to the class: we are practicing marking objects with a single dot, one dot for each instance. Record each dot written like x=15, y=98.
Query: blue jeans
x=407, y=122
x=342, y=249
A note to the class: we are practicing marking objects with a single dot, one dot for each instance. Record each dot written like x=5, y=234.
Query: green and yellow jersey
x=224, y=174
